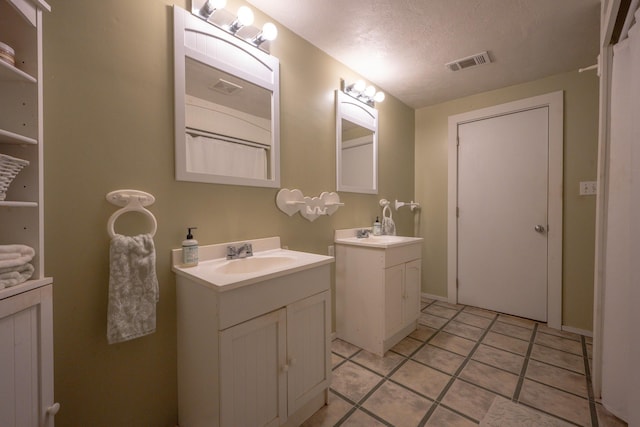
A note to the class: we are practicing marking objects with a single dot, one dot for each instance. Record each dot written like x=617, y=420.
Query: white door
x=502, y=213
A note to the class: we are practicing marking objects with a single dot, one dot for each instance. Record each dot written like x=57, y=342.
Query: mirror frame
x=349, y=108
x=205, y=43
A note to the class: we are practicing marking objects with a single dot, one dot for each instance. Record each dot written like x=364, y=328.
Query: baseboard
x=435, y=297
x=577, y=331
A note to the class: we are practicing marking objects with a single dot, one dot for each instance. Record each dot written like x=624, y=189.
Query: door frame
x=555, y=102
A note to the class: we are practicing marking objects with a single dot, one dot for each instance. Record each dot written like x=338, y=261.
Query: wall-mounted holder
x=412, y=204
x=130, y=200
x=293, y=201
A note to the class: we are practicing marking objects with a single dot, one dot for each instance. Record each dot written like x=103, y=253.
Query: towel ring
x=132, y=201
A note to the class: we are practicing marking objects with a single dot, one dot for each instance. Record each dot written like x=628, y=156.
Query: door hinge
x=457, y=284
x=457, y=212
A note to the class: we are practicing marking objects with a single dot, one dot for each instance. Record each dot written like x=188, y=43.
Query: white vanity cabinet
x=255, y=354
x=377, y=291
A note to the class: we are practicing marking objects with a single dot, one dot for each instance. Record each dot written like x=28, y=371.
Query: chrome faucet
x=241, y=251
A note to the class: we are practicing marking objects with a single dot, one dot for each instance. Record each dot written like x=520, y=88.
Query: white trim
x=432, y=296
x=577, y=331
x=554, y=101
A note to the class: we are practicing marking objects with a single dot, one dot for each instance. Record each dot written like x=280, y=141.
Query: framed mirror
x=227, y=107
x=356, y=145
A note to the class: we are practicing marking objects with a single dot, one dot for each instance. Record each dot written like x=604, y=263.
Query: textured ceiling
x=401, y=46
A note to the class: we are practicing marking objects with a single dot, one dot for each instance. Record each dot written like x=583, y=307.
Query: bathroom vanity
x=377, y=289
x=253, y=336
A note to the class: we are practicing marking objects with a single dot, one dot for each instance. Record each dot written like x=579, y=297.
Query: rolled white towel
x=15, y=255
x=11, y=276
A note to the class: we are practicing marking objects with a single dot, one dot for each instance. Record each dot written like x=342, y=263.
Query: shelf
x=12, y=204
x=14, y=138
x=24, y=287
x=10, y=73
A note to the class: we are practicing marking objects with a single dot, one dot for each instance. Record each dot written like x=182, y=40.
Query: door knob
x=539, y=228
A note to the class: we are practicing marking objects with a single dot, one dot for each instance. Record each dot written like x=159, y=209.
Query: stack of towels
x=14, y=264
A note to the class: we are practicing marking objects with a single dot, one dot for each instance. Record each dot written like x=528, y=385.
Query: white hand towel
x=133, y=288
x=11, y=276
x=388, y=226
x=15, y=255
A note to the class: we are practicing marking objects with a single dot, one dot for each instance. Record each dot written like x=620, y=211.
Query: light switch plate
x=588, y=188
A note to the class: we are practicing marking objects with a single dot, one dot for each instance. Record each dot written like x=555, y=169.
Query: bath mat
x=505, y=413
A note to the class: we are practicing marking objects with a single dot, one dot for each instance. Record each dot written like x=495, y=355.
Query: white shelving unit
x=26, y=310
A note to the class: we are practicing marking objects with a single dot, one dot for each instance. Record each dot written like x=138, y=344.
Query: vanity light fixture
x=359, y=90
x=244, y=18
x=210, y=6
x=269, y=32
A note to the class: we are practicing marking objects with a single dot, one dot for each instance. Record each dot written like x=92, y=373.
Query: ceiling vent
x=226, y=87
x=469, y=61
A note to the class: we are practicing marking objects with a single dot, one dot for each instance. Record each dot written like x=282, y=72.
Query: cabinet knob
x=53, y=409
x=285, y=368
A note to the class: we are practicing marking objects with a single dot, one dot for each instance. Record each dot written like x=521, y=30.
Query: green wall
x=108, y=117
x=580, y=158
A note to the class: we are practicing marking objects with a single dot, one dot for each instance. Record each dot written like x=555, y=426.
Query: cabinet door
x=253, y=372
x=393, y=299
x=308, y=358
x=26, y=359
x=412, y=286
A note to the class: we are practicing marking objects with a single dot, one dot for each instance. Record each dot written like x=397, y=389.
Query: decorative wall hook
x=292, y=201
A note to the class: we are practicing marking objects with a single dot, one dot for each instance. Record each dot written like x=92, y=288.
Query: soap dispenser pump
x=190, y=250
x=377, y=227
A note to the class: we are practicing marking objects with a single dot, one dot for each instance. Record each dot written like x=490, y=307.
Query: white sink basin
x=253, y=264
x=379, y=241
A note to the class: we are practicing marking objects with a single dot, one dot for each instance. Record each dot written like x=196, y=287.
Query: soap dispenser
x=190, y=250
x=377, y=227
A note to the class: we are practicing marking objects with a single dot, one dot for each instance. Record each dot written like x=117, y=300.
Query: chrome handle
x=539, y=228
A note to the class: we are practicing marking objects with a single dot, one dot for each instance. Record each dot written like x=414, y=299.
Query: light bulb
x=359, y=86
x=245, y=16
x=379, y=97
x=269, y=31
x=370, y=91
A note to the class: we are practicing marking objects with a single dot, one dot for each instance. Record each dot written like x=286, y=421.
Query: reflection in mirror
x=226, y=111
x=356, y=145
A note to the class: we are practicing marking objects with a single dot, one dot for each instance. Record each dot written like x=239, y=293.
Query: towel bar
x=131, y=200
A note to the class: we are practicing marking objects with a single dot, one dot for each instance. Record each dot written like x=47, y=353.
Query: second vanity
x=378, y=281
x=253, y=336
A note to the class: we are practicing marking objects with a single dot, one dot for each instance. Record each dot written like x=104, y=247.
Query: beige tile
x=453, y=343
x=557, y=377
x=397, y=405
x=456, y=307
x=481, y=312
x=427, y=301
x=422, y=379
x=559, y=343
x=558, y=358
x=381, y=365
x=494, y=379
x=464, y=330
x=442, y=417
x=407, y=346
x=518, y=321
x=423, y=333
x=343, y=348
x=353, y=381
x=556, y=402
x=439, y=359
x=512, y=330
x=473, y=319
x=330, y=414
x=564, y=334
x=504, y=342
x=440, y=311
x=361, y=419
x=588, y=340
x=468, y=399
x=336, y=360
x=431, y=320
x=607, y=419
x=589, y=350
x=499, y=358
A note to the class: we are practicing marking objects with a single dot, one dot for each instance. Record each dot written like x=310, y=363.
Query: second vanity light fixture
x=363, y=92
x=205, y=9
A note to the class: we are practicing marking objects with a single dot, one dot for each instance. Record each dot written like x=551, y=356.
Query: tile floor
x=450, y=369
